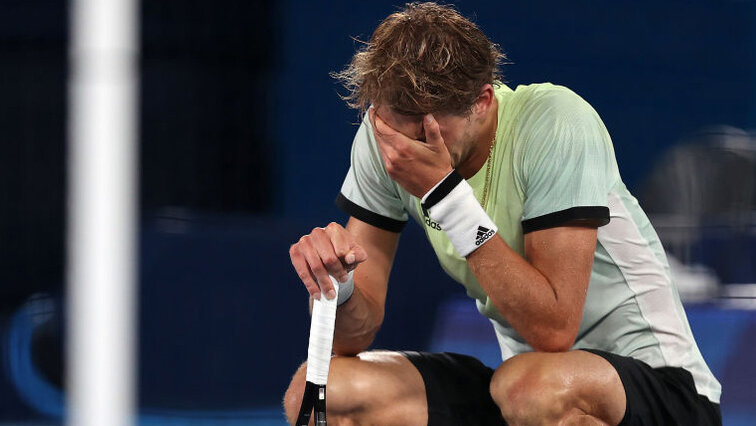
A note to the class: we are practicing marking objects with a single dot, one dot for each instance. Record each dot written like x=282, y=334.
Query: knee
x=348, y=390
x=527, y=391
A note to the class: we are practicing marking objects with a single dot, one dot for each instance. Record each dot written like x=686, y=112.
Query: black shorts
x=457, y=390
x=661, y=396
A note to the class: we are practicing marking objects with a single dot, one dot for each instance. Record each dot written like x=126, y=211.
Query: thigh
x=376, y=388
x=457, y=389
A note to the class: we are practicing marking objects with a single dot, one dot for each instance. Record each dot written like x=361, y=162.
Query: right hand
x=325, y=251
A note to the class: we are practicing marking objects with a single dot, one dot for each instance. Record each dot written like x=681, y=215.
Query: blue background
x=223, y=319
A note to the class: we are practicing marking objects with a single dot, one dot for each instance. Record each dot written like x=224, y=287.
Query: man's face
x=458, y=131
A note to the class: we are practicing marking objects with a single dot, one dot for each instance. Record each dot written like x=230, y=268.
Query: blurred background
x=244, y=143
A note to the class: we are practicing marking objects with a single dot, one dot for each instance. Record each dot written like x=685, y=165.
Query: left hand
x=415, y=165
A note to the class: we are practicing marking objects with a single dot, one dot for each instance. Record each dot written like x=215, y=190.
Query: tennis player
x=520, y=196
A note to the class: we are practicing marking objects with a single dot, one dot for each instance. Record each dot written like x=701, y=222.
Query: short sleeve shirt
x=553, y=163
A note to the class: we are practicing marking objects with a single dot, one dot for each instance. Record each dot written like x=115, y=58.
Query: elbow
x=353, y=344
x=347, y=349
x=554, y=341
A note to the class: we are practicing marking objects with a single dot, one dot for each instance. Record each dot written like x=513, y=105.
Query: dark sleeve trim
x=443, y=189
x=367, y=216
x=593, y=215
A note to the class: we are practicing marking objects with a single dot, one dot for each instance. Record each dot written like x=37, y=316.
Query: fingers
x=432, y=131
x=317, y=271
x=391, y=144
x=350, y=253
x=342, y=248
x=380, y=126
x=303, y=270
x=386, y=135
x=325, y=251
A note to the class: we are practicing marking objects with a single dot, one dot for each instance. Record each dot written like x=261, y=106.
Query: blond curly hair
x=425, y=58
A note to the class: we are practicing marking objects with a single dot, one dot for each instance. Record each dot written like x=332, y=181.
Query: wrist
x=346, y=289
x=453, y=205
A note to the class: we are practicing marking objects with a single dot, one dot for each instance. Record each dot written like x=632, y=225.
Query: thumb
x=356, y=255
x=432, y=132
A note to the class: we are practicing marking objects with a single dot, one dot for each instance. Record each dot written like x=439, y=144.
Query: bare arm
x=359, y=319
x=541, y=297
x=335, y=250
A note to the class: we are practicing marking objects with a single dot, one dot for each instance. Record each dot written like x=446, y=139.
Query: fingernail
x=429, y=118
x=349, y=258
x=316, y=296
x=343, y=278
x=331, y=295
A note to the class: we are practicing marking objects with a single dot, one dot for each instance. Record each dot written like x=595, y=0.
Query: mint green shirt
x=553, y=163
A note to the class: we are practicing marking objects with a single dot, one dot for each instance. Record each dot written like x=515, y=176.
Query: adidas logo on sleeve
x=483, y=235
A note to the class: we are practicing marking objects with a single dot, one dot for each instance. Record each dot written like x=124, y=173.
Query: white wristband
x=452, y=204
x=345, y=289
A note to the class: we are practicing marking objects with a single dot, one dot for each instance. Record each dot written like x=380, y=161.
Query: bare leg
x=374, y=388
x=568, y=388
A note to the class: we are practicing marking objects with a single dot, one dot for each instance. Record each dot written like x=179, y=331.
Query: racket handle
x=320, y=406
x=313, y=402
x=321, y=338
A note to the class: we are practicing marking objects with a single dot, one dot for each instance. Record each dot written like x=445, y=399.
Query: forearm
x=524, y=296
x=541, y=297
x=357, y=322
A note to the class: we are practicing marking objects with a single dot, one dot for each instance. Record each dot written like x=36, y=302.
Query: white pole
x=102, y=196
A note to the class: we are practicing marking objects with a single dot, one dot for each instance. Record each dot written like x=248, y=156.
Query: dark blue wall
x=219, y=298
x=655, y=71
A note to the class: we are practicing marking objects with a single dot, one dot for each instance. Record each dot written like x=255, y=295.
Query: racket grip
x=321, y=338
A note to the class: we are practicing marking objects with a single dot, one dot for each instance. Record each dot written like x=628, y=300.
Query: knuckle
x=333, y=226
x=331, y=262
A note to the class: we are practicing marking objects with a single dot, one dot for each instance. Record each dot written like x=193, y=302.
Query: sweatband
x=453, y=205
x=345, y=289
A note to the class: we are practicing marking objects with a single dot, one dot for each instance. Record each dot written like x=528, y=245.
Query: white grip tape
x=321, y=337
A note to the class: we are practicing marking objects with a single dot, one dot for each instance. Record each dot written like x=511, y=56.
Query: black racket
x=318, y=360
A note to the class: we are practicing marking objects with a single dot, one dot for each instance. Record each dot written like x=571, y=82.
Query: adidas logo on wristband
x=452, y=205
x=430, y=222
x=483, y=235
